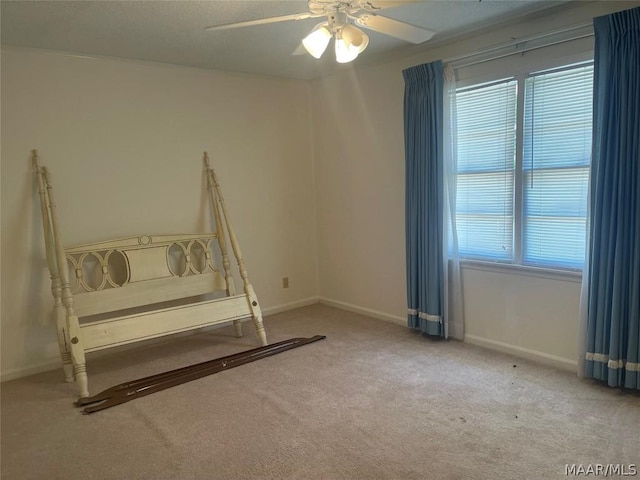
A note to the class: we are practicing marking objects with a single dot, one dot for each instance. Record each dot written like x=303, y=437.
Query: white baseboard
x=456, y=332
x=55, y=362
x=364, y=311
x=540, y=357
x=14, y=373
x=290, y=306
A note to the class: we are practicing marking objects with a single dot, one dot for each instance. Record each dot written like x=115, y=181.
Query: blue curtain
x=423, y=140
x=613, y=315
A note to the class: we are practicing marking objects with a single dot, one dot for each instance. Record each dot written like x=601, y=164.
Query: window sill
x=573, y=276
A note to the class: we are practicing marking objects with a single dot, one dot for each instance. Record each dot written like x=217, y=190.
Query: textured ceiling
x=174, y=31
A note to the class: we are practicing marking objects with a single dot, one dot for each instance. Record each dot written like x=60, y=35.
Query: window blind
x=556, y=158
x=486, y=143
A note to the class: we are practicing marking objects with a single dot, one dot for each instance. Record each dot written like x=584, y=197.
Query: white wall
x=534, y=317
x=359, y=162
x=124, y=143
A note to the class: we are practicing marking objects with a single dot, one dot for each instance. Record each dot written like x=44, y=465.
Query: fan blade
x=382, y=4
x=263, y=21
x=394, y=28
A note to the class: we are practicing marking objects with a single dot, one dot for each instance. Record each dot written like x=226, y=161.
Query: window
x=524, y=148
x=486, y=118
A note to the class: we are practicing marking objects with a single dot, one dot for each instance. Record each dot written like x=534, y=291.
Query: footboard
x=137, y=288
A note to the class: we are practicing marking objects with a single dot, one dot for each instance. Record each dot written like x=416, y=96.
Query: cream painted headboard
x=93, y=283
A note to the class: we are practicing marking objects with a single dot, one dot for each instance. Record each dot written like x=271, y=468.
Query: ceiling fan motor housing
x=336, y=20
x=325, y=7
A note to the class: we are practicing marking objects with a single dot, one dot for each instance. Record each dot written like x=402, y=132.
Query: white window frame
x=519, y=67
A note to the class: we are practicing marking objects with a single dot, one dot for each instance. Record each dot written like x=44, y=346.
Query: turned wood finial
x=213, y=193
x=35, y=157
x=48, y=234
x=65, y=317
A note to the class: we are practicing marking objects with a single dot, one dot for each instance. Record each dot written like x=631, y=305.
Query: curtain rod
x=521, y=45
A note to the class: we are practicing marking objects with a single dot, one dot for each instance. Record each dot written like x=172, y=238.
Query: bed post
x=73, y=327
x=56, y=289
x=256, y=313
x=222, y=242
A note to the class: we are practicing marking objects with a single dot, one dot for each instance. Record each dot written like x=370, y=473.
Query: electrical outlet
x=285, y=282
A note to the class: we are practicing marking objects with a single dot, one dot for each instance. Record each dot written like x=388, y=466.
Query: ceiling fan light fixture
x=344, y=52
x=316, y=42
x=354, y=38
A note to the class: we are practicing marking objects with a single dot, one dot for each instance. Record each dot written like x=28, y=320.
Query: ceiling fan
x=342, y=16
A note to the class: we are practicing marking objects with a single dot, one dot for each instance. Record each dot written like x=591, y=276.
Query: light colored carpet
x=372, y=401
